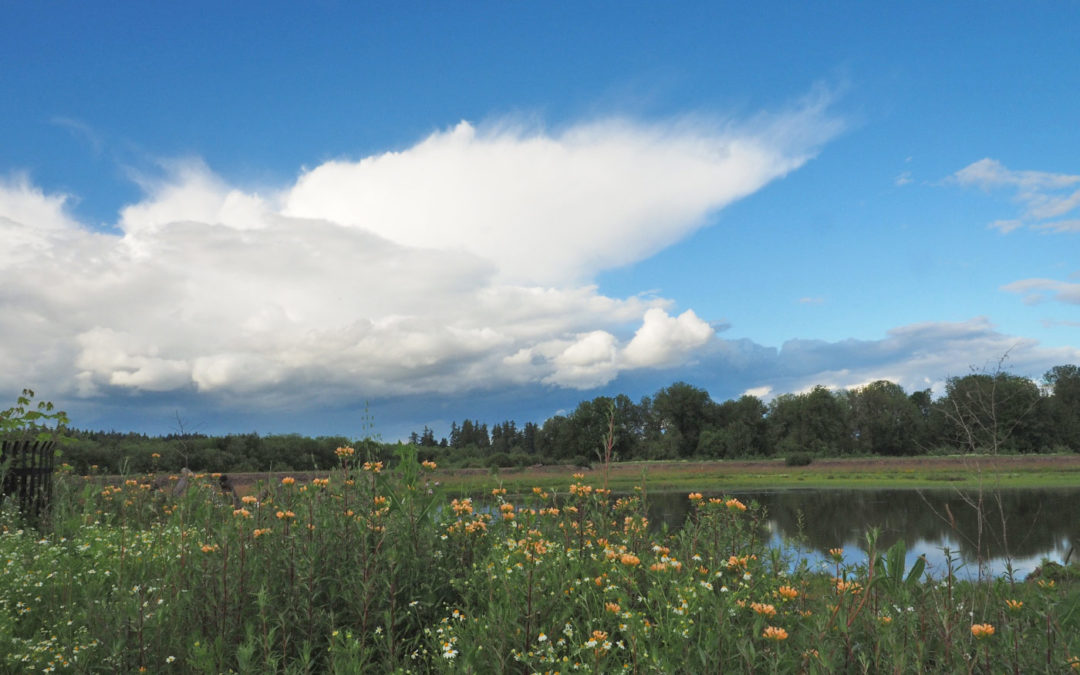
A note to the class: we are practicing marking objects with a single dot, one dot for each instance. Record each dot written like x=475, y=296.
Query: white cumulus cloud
x=461, y=262
x=665, y=340
x=548, y=208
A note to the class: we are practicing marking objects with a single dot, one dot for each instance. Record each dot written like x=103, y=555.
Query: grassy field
x=372, y=569
x=915, y=472
x=962, y=471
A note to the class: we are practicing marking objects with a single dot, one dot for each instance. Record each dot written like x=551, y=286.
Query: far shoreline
x=922, y=472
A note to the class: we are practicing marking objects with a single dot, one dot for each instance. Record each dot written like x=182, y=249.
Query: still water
x=1019, y=527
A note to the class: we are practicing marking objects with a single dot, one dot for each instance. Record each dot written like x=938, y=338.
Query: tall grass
x=373, y=570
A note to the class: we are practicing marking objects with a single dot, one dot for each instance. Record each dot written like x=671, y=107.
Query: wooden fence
x=27, y=468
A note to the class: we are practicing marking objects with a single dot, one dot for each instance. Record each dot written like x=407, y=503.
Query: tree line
x=981, y=412
x=995, y=412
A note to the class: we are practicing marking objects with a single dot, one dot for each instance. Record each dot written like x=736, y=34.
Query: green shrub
x=520, y=459
x=580, y=461
x=500, y=459
x=799, y=459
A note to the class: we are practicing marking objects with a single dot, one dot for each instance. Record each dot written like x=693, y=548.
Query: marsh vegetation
x=372, y=569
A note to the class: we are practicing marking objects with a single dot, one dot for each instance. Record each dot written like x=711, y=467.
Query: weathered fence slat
x=28, y=475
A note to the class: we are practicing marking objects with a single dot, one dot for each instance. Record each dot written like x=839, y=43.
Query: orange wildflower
x=774, y=633
x=735, y=505
x=787, y=592
x=462, y=506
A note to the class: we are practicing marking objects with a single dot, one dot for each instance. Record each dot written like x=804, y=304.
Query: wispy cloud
x=81, y=131
x=1060, y=226
x=1037, y=290
x=1044, y=196
x=1054, y=323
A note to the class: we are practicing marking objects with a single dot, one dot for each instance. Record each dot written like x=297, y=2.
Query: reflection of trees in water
x=1036, y=521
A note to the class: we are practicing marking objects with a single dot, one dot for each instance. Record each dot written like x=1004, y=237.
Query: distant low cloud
x=462, y=262
x=917, y=356
x=1045, y=197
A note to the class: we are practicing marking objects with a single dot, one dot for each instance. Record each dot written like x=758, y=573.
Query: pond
x=1019, y=526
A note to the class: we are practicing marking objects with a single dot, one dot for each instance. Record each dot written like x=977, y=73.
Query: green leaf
x=916, y=571
x=896, y=555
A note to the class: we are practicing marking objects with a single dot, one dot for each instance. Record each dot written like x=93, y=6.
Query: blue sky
x=260, y=216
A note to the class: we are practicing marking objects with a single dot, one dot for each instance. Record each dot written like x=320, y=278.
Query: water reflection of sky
x=1019, y=527
x=937, y=564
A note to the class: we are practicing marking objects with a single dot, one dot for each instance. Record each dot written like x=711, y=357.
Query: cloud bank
x=917, y=356
x=462, y=262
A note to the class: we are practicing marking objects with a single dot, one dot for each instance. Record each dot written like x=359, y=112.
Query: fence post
x=28, y=474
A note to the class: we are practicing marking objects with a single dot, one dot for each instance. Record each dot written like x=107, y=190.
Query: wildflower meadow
x=374, y=568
